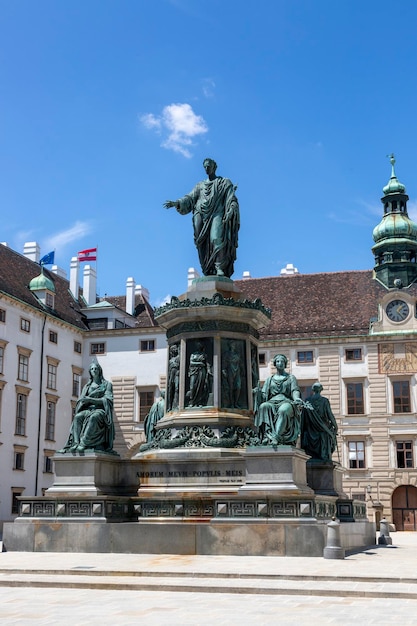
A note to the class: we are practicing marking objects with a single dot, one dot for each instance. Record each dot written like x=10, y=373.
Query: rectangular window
x=1, y=359
x=356, y=454
x=98, y=348
x=53, y=336
x=77, y=347
x=15, y=502
x=50, y=421
x=47, y=464
x=355, y=403
x=20, y=428
x=354, y=354
x=146, y=400
x=76, y=384
x=2, y=315
x=305, y=356
x=99, y=323
x=147, y=345
x=51, y=376
x=23, y=371
x=49, y=300
x=404, y=454
x=401, y=396
x=19, y=461
x=24, y=325
x=262, y=358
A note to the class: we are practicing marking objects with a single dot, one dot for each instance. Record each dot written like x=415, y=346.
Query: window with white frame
x=2, y=315
x=305, y=357
x=353, y=354
x=1, y=358
x=98, y=348
x=76, y=384
x=51, y=376
x=53, y=336
x=23, y=368
x=404, y=453
x=19, y=460
x=50, y=420
x=77, y=347
x=21, y=413
x=356, y=454
x=25, y=325
x=47, y=463
x=147, y=345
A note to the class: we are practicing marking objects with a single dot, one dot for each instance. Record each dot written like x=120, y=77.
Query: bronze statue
x=278, y=406
x=231, y=376
x=199, y=372
x=173, y=378
x=319, y=426
x=92, y=427
x=156, y=412
x=216, y=221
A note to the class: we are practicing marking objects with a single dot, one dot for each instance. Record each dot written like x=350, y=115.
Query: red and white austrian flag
x=87, y=255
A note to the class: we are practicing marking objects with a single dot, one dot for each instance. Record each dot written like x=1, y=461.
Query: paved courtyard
x=376, y=586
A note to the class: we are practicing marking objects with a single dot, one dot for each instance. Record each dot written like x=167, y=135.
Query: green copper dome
x=41, y=282
x=395, y=226
x=394, y=185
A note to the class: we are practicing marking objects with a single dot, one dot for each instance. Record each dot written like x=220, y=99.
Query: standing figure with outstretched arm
x=216, y=221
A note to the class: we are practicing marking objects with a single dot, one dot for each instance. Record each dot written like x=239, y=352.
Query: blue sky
x=109, y=107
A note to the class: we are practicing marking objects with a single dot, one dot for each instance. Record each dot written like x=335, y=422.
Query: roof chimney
x=246, y=274
x=192, y=273
x=74, y=271
x=90, y=285
x=32, y=251
x=289, y=269
x=130, y=295
x=58, y=271
x=142, y=291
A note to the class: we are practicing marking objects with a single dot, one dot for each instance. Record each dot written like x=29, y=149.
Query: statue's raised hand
x=170, y=203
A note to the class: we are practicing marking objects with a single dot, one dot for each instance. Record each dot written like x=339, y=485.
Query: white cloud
x=179, y=124
x=162, y=301
x=63, y=238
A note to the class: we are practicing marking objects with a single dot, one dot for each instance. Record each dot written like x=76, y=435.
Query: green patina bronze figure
x=93, y=427
x=173, y=384
x=200, y=377
x=216, y=221
x=231, y=376
x=319, y=426
x=156, y=412
x=278, y=406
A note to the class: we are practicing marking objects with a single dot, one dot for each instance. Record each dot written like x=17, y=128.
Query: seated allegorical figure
x=278, y=406
x=92, y=427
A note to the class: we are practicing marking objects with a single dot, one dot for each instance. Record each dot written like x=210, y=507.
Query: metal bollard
x=384, y=537
x=333, y=549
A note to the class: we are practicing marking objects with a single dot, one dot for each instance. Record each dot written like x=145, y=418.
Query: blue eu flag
x=48, y=259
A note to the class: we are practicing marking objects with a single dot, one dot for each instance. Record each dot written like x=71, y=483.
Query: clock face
x=397, y=310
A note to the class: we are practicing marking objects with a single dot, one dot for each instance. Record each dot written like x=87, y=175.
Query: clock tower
x=395, y=237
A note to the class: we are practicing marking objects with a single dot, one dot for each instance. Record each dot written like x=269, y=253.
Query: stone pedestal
x=325, y=477
x=92, y=474
x=276, y=469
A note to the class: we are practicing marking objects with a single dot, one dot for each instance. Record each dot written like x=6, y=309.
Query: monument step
x=347, y=586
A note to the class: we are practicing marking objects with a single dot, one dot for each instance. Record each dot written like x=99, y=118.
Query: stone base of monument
x=253, y=501
x=325, y=477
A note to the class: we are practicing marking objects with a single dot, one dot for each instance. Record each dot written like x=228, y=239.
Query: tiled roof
x=143, y=310
x=16, y=272
x=317, y=305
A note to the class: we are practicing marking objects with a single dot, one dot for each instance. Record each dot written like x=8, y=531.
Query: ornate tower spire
x=395, y=237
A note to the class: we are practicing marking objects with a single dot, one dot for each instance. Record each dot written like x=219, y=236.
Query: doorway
x=404, y=507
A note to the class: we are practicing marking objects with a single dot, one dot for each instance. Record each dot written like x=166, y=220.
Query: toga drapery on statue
x=215, y=219
x=92, y=427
